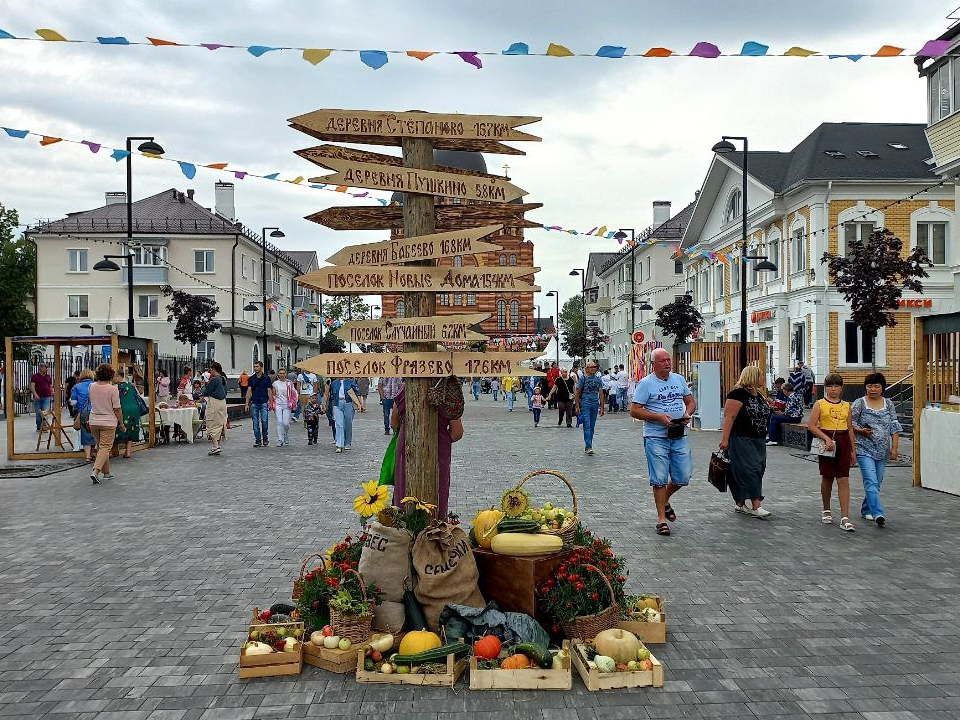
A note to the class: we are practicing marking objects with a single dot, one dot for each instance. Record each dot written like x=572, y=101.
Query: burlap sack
x=385, y=560
x=446, y=571
x=389, y=617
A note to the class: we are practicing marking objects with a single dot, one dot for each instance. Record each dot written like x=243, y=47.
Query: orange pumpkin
x=515, y=662
x=488, y=647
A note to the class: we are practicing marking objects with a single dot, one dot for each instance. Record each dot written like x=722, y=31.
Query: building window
x=458, y=261
x=932, y=239
x=646, y=274
x=773, y=252
x=150, y=256
x=735, y=277
x=733, y=207
x=401, y=308
x=678, y=267
x=501, y=314
x=471, y=298
x=206, y=351
x=149, y=306
x=857, y=345
x=705, y=286
x=78, y=306
x=718, y=282
x=799, y=252
x=76, y=261
x=243, y=265
x=458, y=299
x=940, y=96
x=203, y=261
x=513, y=259
x=444, y=298
x=514, y=314
x=856, y=231
x=503, y=259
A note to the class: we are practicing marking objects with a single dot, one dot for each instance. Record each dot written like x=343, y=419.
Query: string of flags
x=305, y=315
x=377, y=58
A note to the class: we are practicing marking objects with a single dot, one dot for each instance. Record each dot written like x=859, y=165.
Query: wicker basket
x=298, y=583
x=357, y=630
x=569, y=531
x=586, y=627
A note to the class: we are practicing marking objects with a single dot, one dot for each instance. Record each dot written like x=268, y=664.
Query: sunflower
x=420, y=505
x=373, y=500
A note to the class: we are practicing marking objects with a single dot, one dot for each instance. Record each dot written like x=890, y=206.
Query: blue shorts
x=668, y=461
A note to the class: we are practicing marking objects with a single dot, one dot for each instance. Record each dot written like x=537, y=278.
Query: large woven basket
x=586, y=627
x=569, y=531
x=298, y=583
x=355, y=629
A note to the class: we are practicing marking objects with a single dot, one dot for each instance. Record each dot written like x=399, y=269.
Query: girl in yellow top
x=830, y=421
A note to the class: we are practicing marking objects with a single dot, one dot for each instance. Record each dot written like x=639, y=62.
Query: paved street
x=128, y=600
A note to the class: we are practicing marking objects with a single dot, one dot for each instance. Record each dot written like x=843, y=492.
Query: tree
x=678, y=320
x=596, y=340
x=574, y=334
x=872, y=275
x=17, y=277
x=346, y=307
x=194, y=316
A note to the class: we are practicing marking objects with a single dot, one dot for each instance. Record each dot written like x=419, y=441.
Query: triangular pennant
x=4, y=35
x=517, y=48
x=555, y=50
x=297, y=180
x=49, y=140
x=188, y=169
x=658, y=52
x=51, y=35
x=888, y=51
x=239, y=174
x=470, y=58
x=705, y=50
x=271, y=176
x=420, y=54
x=258, y=50
x=119, y=155
x=375, y=59
x=119, y=40
x=158, y=41
x=799, y=52
x=754, y=49
x=213, y=46
x=94, y=147
x=854, y=58
x=611, y=51
x=217, y=166
x=16, y=133
x=315, y=56
x=934, y=48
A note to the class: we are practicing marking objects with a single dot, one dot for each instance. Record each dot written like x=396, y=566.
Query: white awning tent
x=550, y=355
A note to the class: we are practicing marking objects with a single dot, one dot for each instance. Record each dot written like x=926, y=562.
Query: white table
x=184, y=417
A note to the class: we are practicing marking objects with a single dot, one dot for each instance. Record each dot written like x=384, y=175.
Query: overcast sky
x=617, y=134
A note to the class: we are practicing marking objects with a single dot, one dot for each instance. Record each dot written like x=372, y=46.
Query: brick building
x=510, y=313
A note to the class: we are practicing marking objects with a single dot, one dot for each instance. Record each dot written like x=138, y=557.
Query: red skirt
x=839, y=465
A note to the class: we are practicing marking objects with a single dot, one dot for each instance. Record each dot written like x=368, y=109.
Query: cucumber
x=435, y=655
x=538, y=653
x=472, y=537
x=508, y=525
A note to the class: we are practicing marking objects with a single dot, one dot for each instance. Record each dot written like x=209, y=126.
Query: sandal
x=669, y=514
x=826, y=517
x=663, y=529
x=846, y=525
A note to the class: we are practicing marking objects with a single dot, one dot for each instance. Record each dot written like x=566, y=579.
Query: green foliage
x=17, y=277
x=193, y=314
x=679, y=319
x=574, y=325
x=346, y=307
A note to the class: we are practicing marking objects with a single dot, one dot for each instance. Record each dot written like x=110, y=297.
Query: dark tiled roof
x=306, y=259
x=672, y=229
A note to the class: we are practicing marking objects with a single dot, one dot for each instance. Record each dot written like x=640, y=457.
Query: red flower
x=609, y=552
x=315, y=604
x=621, y=578
x=571, y=577
x=579, y=586
x=594, y=596
x=347, y=538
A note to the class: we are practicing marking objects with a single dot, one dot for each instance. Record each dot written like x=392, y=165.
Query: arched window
x=514, y=313
x=501, y=314
x=458, y=299
x=471, y=298
x=401, y=309
x=458, y=261
x=503, y=259
x=733, y=207
x=513, y=259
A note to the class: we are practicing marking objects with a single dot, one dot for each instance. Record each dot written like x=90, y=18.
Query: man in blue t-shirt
x=665, y=404
x=589, y=397
x=259, y=395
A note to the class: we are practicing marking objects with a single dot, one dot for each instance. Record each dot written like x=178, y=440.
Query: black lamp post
x=556, y=323
x=536, y=328
x=621, y=235
x=277, y=233
x=87, y=327
x=722, y=148
x=372, y=308
x=109, y=265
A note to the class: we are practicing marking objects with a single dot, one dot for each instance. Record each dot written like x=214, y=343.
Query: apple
x=386, y=669
x=282, y=632
x=254, y=634
x=330, y=642
x=643, y=654
x=376, y=655
x=344, y=643
x=316, y=637
x=633, y=665
x=327, y=631
x=298, y=633
x=646, y=664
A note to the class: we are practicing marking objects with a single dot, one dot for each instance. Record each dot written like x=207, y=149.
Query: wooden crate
x=527, y=679
x=449, y=678
x=513, y=581
x=337, y=660
x=275, y=663
x=595, y=680
x=650, y=633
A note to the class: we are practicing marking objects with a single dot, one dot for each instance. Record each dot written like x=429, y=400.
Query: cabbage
x=605, y=664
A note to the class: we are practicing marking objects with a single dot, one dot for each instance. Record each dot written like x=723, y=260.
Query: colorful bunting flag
x=94, y=147
x=934, y=48
x=4, y=35
x=119, y=155
x=555, y=50
x=158, y=42
x=214, y=46
x=658, y=52
x=420, y=54
x=517, y=48
x=470, y=58
x=799, y=52
x=705, y=50
x=119, y=40
x=258, y=50
x=188, y=169
x=51, y=35
x=889, y=51
x=315, y=56
x=754, y=49
x=16, y=133
x=611, y=51
x=217, y=166
x=375, y=59
x=48, y=140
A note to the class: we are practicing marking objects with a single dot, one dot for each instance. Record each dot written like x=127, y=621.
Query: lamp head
x=765, y=266
x=106, y=264
x=551, y=294
x=85, y=326
x=645, y=305
x=277, y=234
x=619, y=235
x=150, y=147
x=723, y=147
x=574, y=273
x=250, y=307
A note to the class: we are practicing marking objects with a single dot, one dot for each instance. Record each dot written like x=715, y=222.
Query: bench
x=796, y=435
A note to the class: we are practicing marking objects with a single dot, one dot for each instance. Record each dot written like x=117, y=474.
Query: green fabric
x=131, y=413
x=389, y=462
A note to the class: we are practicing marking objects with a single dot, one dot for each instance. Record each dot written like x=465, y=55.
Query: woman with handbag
x=745, y=417
x=284, y=400
x=830, y=423
x=877, y=428
x=215, y=391
x=80, y=401
x=344, y=395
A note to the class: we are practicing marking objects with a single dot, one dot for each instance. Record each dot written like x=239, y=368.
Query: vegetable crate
x=448, y=678
x=595, y=680
x=649, y=632
x=526, y=679
x=274, y=663
x=335, y=660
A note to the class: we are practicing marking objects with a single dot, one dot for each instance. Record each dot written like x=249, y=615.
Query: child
x=537, y=405
x=311, y=416
x=495, y=388
x=830, y=422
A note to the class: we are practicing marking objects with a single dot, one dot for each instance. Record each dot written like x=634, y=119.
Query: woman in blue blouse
x=878, y=431
x=80, y=400
x=343, y=395
x=792, y=413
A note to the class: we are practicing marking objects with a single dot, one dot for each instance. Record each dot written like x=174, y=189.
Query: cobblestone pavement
x=128, y=600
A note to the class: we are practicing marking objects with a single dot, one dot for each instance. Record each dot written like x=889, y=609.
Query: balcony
x=147, y=275
x=602, y=305
x=303, y=302
x=272, y=288
x=944, y=139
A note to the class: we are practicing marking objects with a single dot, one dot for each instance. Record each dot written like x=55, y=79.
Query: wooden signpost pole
x=420, y=419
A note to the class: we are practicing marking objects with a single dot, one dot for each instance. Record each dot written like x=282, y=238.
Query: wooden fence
x=936, y=365
x=728, y=355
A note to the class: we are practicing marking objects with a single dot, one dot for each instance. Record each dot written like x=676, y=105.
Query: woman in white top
x=284, y=398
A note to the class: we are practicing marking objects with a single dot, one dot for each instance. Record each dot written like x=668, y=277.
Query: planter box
x=650, y=633
x=275, y=663
x=449, y=678
x=527, y=679
x=337, y=661
x=513, y=581
x=595, y=680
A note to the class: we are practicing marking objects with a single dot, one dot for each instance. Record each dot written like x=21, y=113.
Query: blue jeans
x=668, y=461
x=259, y=414
x=387, y=408
x=622, y=398
x=510, y=396
x=529, y=391
x=536, y=416
x=773, y=426
x=612, y=401
x=40, y=406
x=872, y=471
x=495, y=394
x=476, y=391
x=343, y=420
x=589, y=413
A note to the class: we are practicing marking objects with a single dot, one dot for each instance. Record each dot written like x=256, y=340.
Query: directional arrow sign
x=421, y=364
x=423, y=247
x=425, y=182
x=320, y=154
x=373, y=280
x=444, y=328
x=448, y=216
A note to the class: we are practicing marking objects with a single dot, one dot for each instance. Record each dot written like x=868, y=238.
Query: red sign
x=916, y=302
x=760, y=315
x=639, y=337
x=695, y=334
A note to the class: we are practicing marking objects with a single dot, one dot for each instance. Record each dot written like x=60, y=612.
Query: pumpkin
x=419, y=641
x=488, y=647
x=619, y=644
x=485, y=526
x=515, y=662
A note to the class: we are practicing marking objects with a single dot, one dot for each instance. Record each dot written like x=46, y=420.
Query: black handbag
x=719, y=470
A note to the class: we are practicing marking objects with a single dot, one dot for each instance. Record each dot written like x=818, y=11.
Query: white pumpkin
x=619, y=644
x=257, y=648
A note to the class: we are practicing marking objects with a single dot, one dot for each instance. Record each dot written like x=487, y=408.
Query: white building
x=180, y=243
x=659, y=280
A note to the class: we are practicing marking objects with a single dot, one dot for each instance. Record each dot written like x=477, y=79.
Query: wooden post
x=919, y=391
x=420, y=419
x=9, y=407
x=57, y=382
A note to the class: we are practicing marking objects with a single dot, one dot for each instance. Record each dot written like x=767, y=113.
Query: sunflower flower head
x=373, y=499
x=418, y=504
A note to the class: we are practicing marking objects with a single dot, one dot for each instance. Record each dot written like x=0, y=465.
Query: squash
x=419, y=641
x=515, y=662
x=525, y=544
x=382, y=643
x=619, y=644
x=488, y=647
x=257, y=648
x=605, y=664
x=485, y=526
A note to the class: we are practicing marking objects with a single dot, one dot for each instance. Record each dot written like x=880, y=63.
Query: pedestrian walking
x=562, y=393
x=830, y=422
x=622, y=382
x=163, y=386
x=41, y=388
x=797, y=379
x=746, y=415
x=106, y=416
x=475, y=387
x=132, y=406
x=80, y=401
x=215, y=391
x=792, y=412
x=610, y=388
x=387, y=388
x=552, y=374
x=67, y=388
x=509, y=385
x=284, y=399
x=342, y=394
x=529, y=383
x=363, y=385
x=495, y=388
x=877, y=432
x=809, y=385
x=665, y=404
x=258, y=400
x=589, y=399
x=311, y=419
x=307, y=387
x=537, y=406
x=242, y=382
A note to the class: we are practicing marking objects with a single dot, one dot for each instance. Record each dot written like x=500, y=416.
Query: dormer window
x=733, y=207
x=867, y=154
x=898, y=146
x=836, y=154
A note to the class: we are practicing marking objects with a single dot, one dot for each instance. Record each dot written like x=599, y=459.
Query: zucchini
x=538, y=653
x=435, y=655
x=520, y=525
x=413, y=611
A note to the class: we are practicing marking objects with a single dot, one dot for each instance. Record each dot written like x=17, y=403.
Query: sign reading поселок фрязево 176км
x=419, y=364
x=373, y=280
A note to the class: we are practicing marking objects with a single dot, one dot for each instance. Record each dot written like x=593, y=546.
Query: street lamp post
x=109, y=265
x=148, y=146
x=621, y=235
x=556, y=322
x=372, y=308
x=721, y=148
x=276, y=233
x=536, y=328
